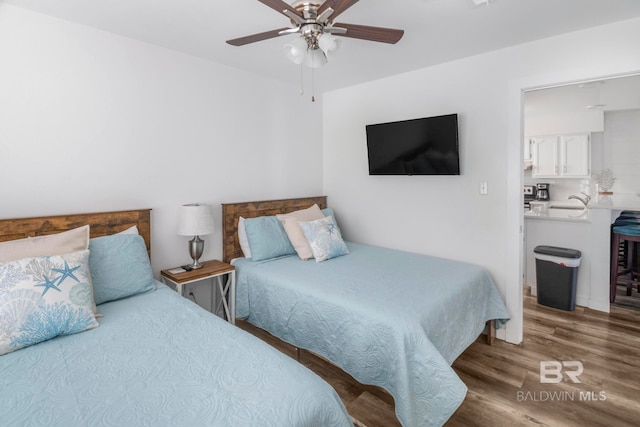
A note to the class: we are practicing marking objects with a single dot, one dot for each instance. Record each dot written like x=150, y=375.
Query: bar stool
x=622, y=249
x=631, y=235
x=623, y=222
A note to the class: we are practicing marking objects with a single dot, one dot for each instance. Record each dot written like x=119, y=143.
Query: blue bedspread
x=389, y=318
x=159, y=360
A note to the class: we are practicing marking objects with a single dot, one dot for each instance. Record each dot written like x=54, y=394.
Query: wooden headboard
x=100, y=224
x=231, y=213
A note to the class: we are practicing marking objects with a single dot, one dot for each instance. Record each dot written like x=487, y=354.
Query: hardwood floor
x=504, y=379
x=631, y=302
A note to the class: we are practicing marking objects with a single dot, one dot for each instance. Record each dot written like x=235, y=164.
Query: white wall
x=565, y=122
x=446, y=216
x=622, y=135
x=91, y=121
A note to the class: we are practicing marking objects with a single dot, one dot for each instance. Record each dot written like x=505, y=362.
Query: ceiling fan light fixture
x=312, y=21
x=315, y=58
x=310, y=50
x=296, y=50
x=329, y=44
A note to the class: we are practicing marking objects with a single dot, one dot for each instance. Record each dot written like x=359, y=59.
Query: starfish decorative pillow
x=324, y=238
x=43, y=297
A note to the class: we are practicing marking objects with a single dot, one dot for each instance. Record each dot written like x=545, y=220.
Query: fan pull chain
x=313, y=83
x=301, y=80
x=313, y=78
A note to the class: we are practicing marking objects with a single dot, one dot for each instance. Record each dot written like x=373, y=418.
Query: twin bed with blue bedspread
x=153, y=358
x=389, y=318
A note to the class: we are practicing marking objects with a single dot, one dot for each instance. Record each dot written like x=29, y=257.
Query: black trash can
x=557, y=276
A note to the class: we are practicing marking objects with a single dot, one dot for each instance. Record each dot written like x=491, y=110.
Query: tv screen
x=427, y=146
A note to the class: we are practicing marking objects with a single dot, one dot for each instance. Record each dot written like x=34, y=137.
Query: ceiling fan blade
x=338, y=6
x=280, y=6
x=376, y=34
x=241, y=41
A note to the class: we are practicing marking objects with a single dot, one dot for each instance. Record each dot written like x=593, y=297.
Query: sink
x=572, y=212
x=573, y=208
x=560, y=212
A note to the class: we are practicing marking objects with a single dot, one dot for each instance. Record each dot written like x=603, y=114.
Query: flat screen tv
x=427, y=146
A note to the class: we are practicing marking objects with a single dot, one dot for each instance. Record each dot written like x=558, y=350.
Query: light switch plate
x=484, y=188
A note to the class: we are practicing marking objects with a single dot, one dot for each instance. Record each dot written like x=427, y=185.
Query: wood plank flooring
x=504, y=379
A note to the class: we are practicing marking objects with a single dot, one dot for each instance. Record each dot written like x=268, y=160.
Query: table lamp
x=195, y=220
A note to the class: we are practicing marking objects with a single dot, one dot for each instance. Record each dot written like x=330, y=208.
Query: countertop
x=616, y=201
x=583, y=215
x=552, y=210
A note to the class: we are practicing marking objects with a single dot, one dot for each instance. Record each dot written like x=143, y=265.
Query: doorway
x=606, y=109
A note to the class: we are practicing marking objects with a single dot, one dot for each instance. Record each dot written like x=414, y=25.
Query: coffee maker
x=542, y=192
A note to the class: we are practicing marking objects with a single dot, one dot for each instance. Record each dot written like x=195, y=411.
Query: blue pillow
x=119, y=267
x=267, y=238
x=324, y=238
x=329, y=212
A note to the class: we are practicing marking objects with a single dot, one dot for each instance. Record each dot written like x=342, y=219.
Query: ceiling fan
x=313, y=20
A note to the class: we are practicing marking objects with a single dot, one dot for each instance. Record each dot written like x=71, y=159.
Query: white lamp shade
x=315, y=58
x=195, y=220
x=296, y=50
x=329, y=44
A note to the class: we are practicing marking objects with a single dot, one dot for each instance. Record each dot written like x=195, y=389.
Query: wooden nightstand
x=216, y=271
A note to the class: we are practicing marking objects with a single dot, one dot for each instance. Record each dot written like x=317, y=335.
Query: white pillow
x=131, y=230
x=44, y=297
x=243, y=239
x=53, y=244
x=291, y=225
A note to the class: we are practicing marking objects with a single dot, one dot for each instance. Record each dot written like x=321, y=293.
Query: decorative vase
x=605, y=180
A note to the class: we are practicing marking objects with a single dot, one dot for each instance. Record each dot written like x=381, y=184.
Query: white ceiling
x=436, y=31
x=614, y=94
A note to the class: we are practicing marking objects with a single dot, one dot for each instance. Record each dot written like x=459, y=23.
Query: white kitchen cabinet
x=545, y=156
x=561, y=156
x=577, y=156
x=528, y=151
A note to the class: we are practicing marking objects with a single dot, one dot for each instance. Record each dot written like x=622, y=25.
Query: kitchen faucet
x=584, y=200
